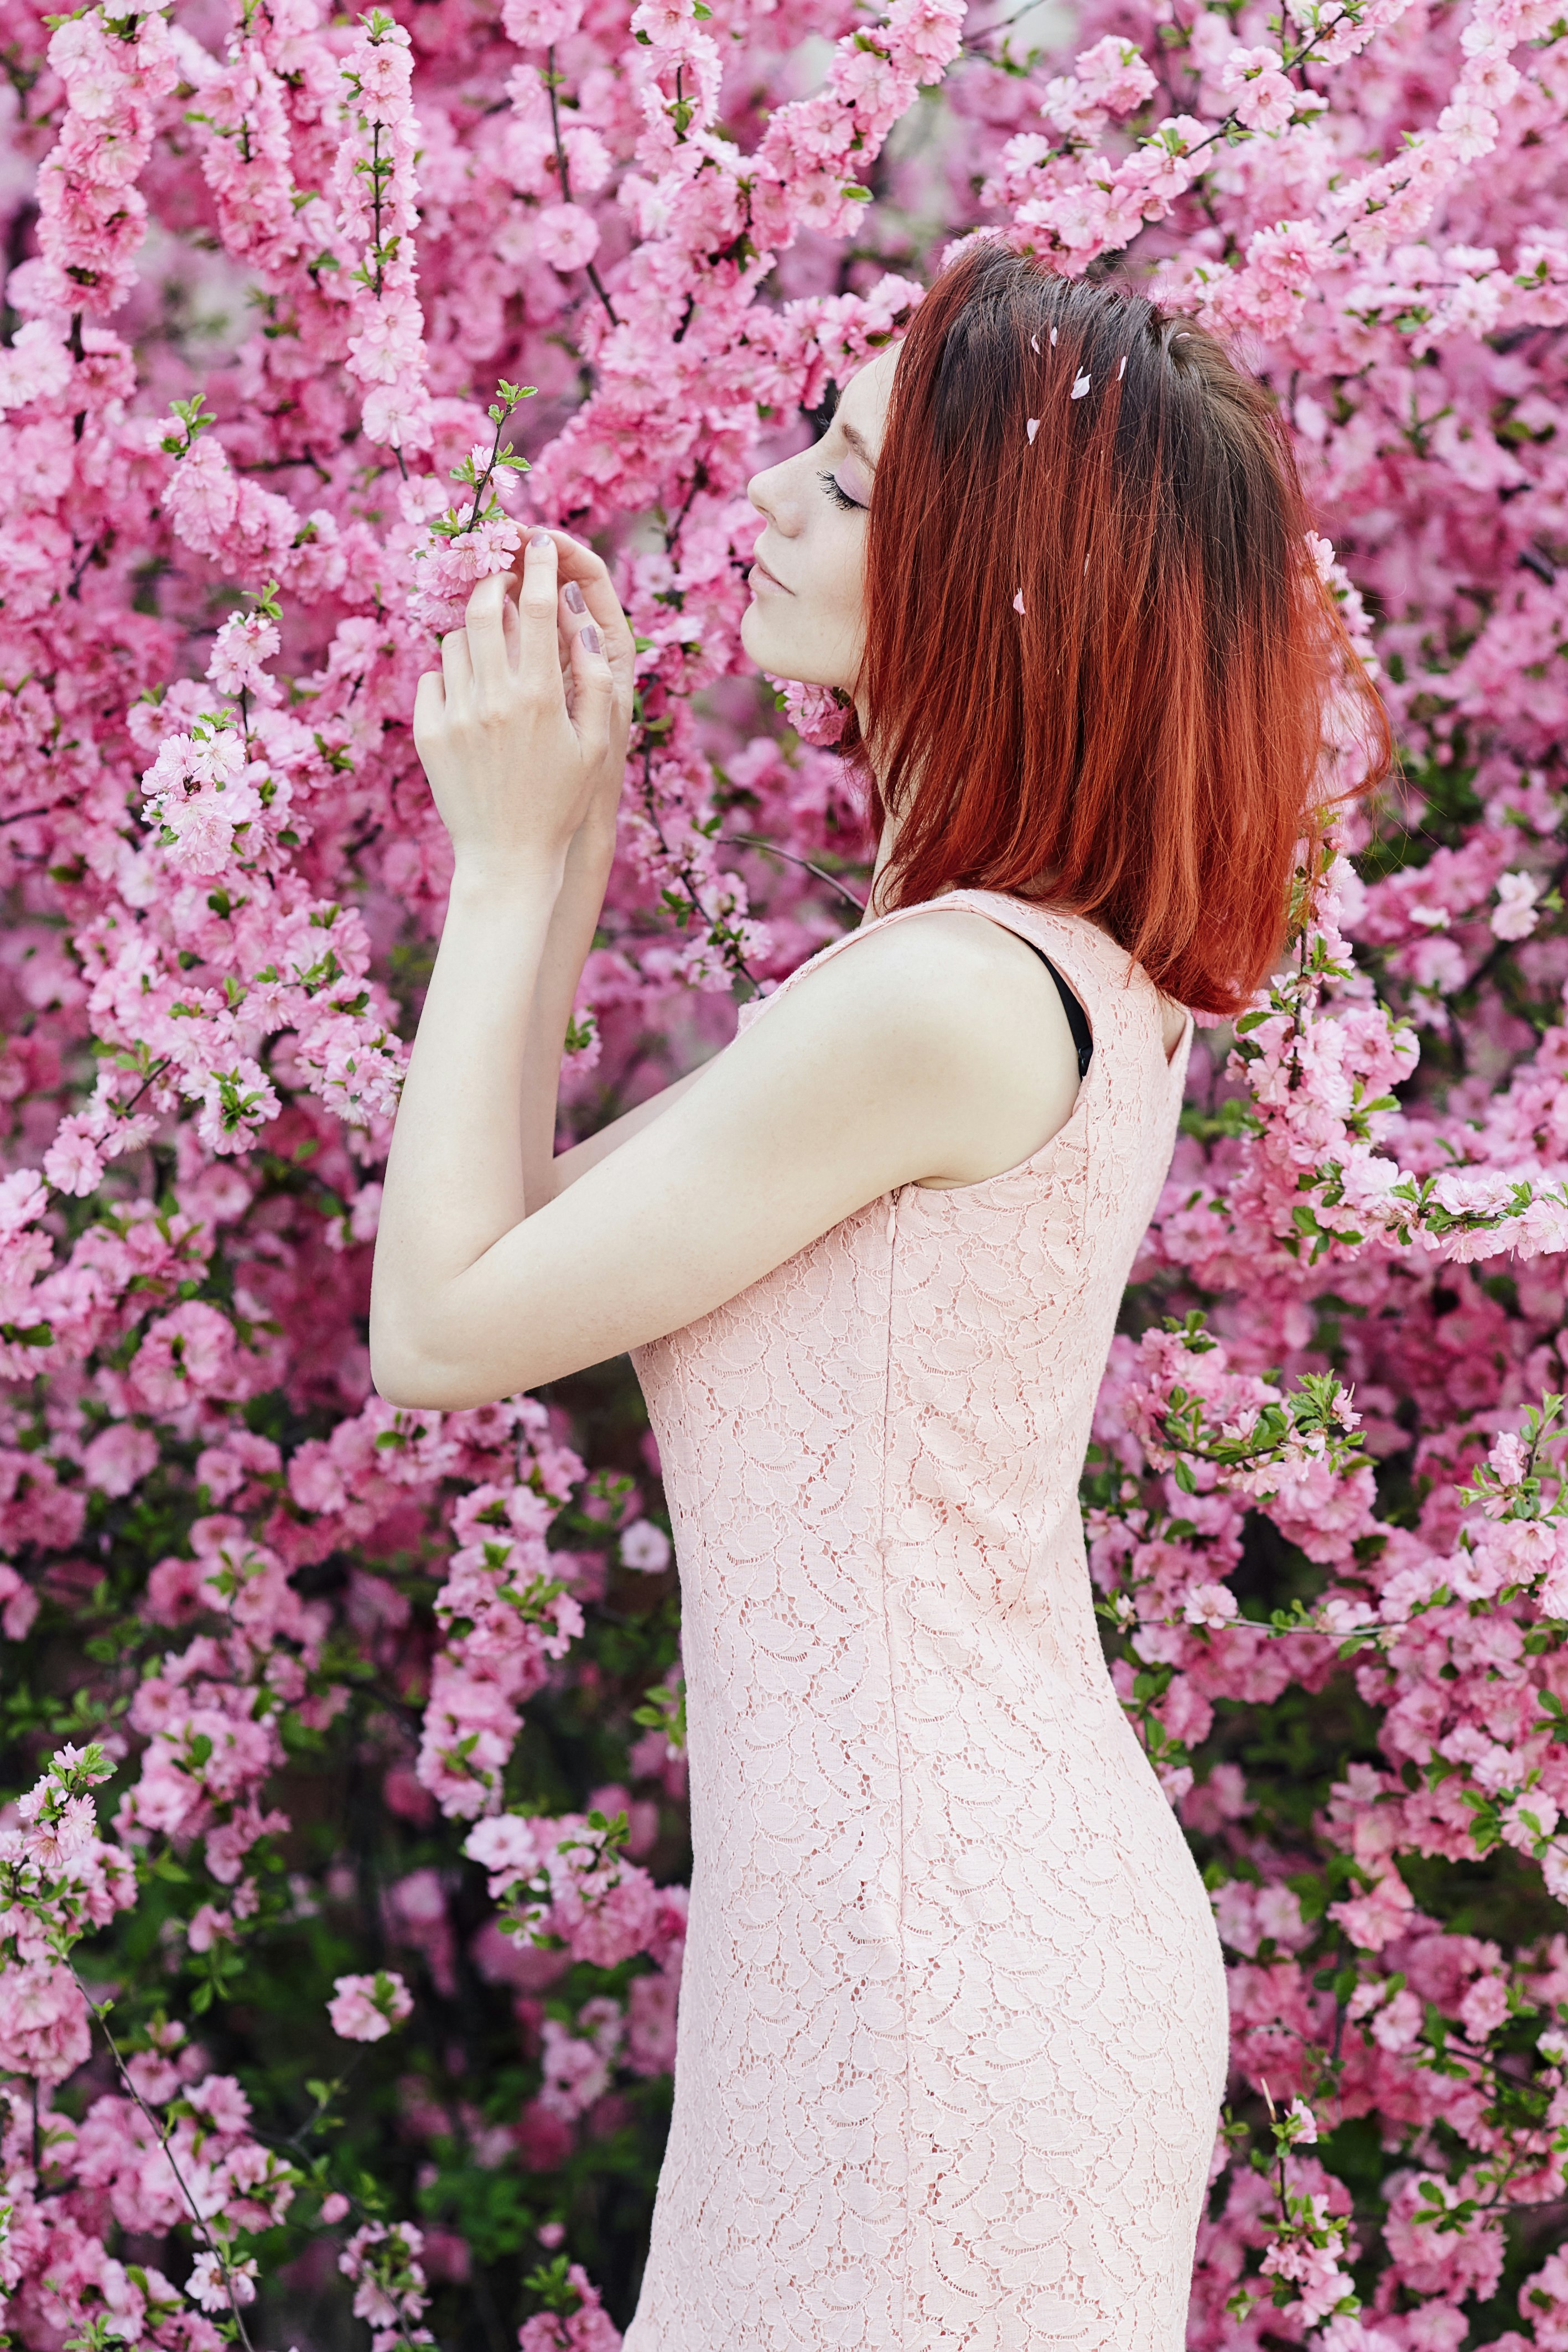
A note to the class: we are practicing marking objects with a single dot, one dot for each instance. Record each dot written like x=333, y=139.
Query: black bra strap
x=1081, y=1035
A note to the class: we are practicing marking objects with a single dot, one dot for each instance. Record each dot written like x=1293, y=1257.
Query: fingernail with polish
x=539, y=541
x=574, y=598
x=590, y=639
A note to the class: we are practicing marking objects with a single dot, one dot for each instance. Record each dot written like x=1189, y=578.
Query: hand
x=522, y=731
x=587, y=593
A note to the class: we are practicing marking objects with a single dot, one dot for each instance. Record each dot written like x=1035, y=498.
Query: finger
x=456, y=670
x=582, y=569
x=573, y=613
x=593, y=690
x=536, y=600
x=567, y=615
x=429, y=707
x=485, y=628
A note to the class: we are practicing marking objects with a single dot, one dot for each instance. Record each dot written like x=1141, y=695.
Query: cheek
x=839, y=574
x=851, y=597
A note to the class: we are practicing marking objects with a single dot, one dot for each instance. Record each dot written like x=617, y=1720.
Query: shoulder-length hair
x=1099, y=652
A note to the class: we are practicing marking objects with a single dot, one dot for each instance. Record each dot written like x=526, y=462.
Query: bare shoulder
x=943, y=978
x=946, y=1028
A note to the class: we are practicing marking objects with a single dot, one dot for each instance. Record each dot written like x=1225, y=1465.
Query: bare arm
x=903, y=1059
x=587, y=593
x=568, y=1166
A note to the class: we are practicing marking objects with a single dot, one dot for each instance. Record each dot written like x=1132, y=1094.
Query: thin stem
x=100, y=2016
x=156, y=1070
x=482, y=484
x=1483, y=970
x=375, y=183
x=728, y=945
x=595, y=280
x=1002, y=24
x=699, y=482
x=760, y=841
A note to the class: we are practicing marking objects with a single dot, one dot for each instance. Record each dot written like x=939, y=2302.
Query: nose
x=764, y=491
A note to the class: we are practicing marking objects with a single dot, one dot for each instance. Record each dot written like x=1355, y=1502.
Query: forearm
x=455, y=1177
x=566, y=949
x=522, y=733
x=568, y=1166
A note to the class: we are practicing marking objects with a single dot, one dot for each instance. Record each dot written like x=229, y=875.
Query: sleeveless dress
x=952, y=2034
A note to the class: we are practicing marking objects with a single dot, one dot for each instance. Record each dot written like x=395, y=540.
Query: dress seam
x=882, y=1540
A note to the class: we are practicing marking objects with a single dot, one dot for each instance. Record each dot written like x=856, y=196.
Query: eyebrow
x=857, y=444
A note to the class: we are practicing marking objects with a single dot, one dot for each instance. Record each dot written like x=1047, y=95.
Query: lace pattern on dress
x=951, y=2035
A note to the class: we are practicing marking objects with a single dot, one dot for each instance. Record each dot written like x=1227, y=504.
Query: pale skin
x=936, y=1053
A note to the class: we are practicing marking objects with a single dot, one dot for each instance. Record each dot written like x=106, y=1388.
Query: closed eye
x=839, y=496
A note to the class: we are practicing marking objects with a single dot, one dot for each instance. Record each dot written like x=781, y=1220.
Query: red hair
x=1099, y=653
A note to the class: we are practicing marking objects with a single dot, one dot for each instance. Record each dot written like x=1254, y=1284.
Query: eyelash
x=839, y=496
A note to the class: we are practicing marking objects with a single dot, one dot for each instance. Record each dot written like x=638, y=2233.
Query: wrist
x=515, y=885
x=593, y=846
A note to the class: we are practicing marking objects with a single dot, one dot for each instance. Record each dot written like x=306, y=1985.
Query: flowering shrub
x=341, y=1878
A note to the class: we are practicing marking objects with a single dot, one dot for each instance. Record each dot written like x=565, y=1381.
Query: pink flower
x=650, y=2023
x=72, y=1163
x=182, y=1354
x=365, y=2009
x=1114, y=75
x=587, y=2328
x=1373, y=1920
x=566, y=237
x=645, y=1547
x=1515, y=916
x=119, y=1457
x=45, y=2032
x=575, y=2072
x=18, y=1605
x=1210, y=1606
x=541, y=24
x=1484, y=2008
x=1264, y=97
x=817, y=715
x=217, y=2287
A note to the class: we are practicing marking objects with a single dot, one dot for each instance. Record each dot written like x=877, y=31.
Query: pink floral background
x=341, y=1870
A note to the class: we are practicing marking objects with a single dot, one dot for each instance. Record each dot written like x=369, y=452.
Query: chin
x=772, y=651
x=767, y=647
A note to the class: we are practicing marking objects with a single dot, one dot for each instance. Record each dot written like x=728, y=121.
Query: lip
x=760, y=576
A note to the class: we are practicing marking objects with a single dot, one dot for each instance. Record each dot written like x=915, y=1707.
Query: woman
x=953, y=2028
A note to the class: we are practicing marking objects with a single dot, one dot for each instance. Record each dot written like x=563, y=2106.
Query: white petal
x=1123, y=369
x=1018, y=601
x=1053, y=339
x=1034, y=342
x=1033, y=427
x=1080, y=385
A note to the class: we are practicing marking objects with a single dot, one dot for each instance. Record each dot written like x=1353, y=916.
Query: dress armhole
x=1082, y=1036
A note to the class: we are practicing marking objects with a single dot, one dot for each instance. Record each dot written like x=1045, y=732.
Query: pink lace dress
x=952, y=2037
